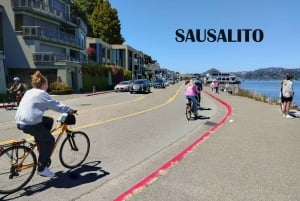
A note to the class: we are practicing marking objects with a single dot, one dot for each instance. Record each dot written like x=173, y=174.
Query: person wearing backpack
x=287, y=93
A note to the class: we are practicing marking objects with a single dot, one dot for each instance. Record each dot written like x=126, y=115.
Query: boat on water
x=223, y=78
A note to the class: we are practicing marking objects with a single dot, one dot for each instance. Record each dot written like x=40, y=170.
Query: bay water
x=270, y=88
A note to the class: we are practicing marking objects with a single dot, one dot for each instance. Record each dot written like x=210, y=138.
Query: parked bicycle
x=18, y=161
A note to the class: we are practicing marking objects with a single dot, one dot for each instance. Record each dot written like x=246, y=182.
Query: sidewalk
x=254, y=156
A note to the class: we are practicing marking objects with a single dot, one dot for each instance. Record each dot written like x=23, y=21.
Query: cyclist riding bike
x=191, y=91
x=30, y=119
x=17, y=89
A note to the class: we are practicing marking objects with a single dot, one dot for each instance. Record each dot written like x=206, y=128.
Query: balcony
x=43, y=57
x=51, y=58
x=31, y=31
x=40, y=7
x=36, y=32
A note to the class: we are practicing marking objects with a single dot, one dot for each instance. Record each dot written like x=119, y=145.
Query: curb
x=147, y=180
x=97, y=93
x=8, y=105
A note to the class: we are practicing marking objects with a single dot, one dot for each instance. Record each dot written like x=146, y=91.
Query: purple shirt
x=190, y=91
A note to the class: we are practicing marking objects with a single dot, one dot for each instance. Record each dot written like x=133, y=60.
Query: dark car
x=140, y=86
x=159, y=83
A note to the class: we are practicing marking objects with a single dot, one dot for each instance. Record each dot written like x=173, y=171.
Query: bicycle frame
x=24, y=166
x=32, y=146
x=64, y=129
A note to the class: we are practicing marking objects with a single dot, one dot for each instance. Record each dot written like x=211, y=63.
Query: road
x=131, y=135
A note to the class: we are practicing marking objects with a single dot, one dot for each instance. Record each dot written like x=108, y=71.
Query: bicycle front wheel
x=9, y=103
x=74, y=149
x=17, y=167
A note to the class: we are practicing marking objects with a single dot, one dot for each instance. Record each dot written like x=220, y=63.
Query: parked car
x=122, y=86
x=171, y=81
x=166, y=83
x=140, y=86
x=159, y=83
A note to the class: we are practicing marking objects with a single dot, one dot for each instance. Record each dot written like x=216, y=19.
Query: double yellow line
x=170, y=100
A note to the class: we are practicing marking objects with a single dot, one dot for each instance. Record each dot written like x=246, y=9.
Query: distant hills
x=271, y=73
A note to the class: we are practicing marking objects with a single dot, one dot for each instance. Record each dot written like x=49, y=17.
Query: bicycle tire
x=9, y=103
x=13, y=180
x=74, y=149
x=188, y=111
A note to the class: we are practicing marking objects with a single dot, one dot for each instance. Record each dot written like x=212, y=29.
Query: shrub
x=59, y=88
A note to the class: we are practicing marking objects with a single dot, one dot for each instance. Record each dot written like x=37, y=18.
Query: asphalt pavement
x=253, y=155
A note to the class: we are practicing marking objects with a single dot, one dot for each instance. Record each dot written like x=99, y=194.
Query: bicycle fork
x=72, y=141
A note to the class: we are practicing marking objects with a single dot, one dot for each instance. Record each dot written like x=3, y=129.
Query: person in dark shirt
x=17, y=89
x=198, y=83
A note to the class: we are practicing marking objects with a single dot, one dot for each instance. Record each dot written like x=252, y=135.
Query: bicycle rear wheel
x=74, y=149
x=17, y=167
x=188, y=111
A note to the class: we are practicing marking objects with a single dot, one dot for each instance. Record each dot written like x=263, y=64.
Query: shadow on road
x=204, y=108
x=86, y=173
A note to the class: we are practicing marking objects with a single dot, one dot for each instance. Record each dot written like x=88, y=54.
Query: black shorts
x=286, y=99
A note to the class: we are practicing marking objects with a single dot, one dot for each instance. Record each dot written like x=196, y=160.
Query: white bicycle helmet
x=16, y=79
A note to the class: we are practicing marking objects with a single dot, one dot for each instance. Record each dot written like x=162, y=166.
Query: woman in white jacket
x=30, y=119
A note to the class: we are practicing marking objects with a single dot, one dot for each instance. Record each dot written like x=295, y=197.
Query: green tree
x=105, y=23
x=83, y=9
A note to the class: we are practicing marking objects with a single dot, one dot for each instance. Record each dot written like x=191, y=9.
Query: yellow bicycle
x=18, y=161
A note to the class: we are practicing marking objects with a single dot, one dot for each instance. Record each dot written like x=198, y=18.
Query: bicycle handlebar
x=68, y=118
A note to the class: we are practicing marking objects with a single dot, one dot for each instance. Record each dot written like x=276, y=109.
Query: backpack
x=287, y=89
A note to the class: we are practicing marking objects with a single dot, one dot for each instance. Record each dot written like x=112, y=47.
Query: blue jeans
x=195, y=103
x=43, y=137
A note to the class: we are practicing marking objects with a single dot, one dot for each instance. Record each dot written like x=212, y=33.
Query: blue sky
x=150, y=26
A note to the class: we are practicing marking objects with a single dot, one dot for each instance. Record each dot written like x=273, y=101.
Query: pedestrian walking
x=287, y=95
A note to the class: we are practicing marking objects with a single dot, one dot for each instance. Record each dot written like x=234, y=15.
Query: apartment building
x=130, y=59
x=41, y=34
x=99, y=51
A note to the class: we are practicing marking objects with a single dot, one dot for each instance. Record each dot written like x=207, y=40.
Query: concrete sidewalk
x=254, y=156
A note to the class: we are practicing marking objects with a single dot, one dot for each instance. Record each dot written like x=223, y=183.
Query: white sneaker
x=289, y=116
x=46, y=173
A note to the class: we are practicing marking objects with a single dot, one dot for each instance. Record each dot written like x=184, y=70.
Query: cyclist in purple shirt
x=191, y=91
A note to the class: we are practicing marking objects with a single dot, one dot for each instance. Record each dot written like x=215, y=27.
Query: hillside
x=271, y=73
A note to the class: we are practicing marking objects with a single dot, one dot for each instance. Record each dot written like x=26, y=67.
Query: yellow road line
x=170, y=100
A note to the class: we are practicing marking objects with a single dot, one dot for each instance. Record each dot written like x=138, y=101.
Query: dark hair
x=289, y=76
x=37, y=80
